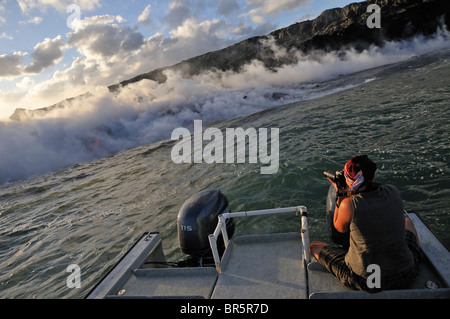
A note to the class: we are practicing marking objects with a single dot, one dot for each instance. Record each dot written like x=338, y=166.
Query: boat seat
x=282, y=277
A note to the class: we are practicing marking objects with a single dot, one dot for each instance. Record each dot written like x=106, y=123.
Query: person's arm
x=343, y=214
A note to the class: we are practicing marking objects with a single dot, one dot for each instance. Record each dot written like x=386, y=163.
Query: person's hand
x=333, y=183
x=341, y=192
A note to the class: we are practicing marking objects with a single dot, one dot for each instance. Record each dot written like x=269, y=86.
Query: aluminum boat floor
x=263, y=267
x=192, y=283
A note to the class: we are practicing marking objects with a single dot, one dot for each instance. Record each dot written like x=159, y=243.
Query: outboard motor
x=198, y=218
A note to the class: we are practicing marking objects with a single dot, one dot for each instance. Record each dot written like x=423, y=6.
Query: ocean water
x=92, y=211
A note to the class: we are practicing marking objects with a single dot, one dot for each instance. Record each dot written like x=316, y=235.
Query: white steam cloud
x=103, y=123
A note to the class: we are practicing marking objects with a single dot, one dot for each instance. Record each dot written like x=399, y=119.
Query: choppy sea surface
x=91, y=213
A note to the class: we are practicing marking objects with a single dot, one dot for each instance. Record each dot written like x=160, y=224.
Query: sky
x=51, y=50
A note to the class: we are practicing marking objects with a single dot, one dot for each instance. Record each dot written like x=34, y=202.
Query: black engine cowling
x=198, y=218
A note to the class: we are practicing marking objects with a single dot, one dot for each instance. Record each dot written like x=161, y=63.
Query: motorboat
x=267, y=266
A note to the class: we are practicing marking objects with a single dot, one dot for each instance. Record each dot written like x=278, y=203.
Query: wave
x=104, y=123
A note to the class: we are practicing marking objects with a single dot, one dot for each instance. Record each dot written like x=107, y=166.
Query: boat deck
x=260, y=267
x=273, y=268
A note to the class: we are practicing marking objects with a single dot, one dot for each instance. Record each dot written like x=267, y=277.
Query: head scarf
x=354, y=173
x=358, y=182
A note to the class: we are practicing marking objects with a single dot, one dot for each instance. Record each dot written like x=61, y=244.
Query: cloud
x=193, y=38
x=34, y=20
x=45, y=55
x=179, y=11
x=272, y=8
x=61, y=5
x=4, y=35
x=2, y=10
x=97, y=37
x=11, y=65
x=120, y=19
x=95, y=20
x=227, y=7
x=144, y=17
x=112, y=52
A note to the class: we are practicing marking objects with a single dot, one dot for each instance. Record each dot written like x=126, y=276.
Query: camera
x=337, y=177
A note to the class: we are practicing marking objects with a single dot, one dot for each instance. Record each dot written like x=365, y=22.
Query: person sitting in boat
x=379, y=233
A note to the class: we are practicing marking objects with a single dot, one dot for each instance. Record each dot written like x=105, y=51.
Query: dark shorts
x=333, y=258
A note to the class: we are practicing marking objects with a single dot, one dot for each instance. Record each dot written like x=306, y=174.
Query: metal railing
x=222, y=229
